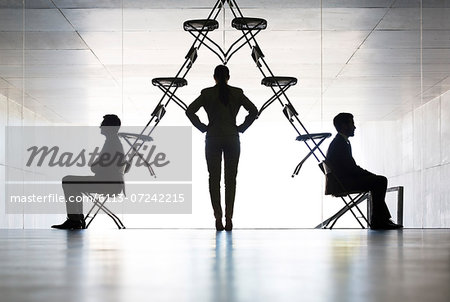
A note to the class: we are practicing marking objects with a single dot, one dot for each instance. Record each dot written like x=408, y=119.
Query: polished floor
x=244, y=265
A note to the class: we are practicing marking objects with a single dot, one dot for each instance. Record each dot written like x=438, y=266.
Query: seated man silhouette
x=108, y=169
x=354, y=178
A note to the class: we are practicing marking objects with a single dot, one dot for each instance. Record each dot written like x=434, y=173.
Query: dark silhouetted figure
x=353, y=177
x=108, y=169
x=222, y=103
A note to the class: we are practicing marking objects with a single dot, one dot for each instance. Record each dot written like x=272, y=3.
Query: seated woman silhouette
x=222, y=103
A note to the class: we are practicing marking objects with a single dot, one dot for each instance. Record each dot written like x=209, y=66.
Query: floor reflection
x=243, y=265
x=223, y=270
x=74, y=274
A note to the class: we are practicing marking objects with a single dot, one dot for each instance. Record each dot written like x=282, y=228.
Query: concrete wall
x=13, y=113
x=414, y=152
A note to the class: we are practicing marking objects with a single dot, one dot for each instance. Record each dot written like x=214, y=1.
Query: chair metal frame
x=99, y=200
x=354, y=202
x=343, y=193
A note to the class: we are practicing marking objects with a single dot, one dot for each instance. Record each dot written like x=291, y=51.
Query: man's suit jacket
x=110, y=163
x=341, y=162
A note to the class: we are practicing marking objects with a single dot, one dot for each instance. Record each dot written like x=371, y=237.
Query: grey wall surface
x=414, y=152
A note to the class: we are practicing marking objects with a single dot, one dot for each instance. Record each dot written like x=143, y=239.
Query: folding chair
x=279, y=86
x=319, y=136
x=99, y=200
x=356, y=197
x=351, y=199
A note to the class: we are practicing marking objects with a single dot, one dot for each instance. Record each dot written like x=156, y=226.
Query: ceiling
x=73, y=60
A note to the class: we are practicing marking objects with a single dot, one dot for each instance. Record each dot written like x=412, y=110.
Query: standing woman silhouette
x=222, y=103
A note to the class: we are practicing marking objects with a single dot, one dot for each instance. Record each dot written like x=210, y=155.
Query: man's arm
x=192, y=109
x=251, y=116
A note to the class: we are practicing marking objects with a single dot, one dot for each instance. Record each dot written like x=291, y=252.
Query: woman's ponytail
x=222, y=74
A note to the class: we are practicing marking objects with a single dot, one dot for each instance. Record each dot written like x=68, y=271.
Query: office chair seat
x=306, y=137
x=243, y=23
x=279, y=81
x=169, y=82
x=200, y=25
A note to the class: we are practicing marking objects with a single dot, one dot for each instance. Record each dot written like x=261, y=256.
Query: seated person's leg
x=73, y=195
x=380, y=211
x=377, y=186
x=73, y=187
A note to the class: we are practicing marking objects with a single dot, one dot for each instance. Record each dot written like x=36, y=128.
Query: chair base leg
x=101, y=206
x=348, y=207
